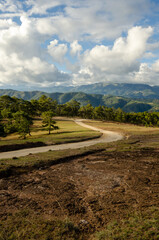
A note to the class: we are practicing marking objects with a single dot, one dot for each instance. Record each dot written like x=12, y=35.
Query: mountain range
x=129, y=97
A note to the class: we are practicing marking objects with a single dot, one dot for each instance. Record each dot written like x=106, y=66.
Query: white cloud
x=155, y=66
x=123, y=56
x=90, y=20
x=57, y=51
x=41, y=6
x=146, y=75
x=22, y=60
x=6, y=23
x=25, y=53
x=117, y=63
x=10, y=6
x=76, y=48
x=32, y=72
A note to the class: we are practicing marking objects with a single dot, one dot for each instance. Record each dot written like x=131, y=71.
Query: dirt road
x=107, y=136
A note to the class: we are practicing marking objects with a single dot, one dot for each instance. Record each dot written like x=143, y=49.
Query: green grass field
x=141, y=226
x=68, y=131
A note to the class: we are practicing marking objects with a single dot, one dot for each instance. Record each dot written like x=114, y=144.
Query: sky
x=47, y=43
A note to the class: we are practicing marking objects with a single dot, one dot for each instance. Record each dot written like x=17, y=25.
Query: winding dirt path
x=108, y=136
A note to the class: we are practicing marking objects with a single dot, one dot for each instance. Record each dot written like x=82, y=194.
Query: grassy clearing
x=141, y=226
x=25, y=225
x=68, y=131
x=125, y=128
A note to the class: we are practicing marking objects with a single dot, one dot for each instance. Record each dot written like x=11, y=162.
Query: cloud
x=41, y=6
x=6, y=23
x=146, y=75
x=33, y=71
x=10, y=6
x=22, y=60
x=101, y=62
x=49, y=32
x=76, y=48
x=155, y=66
x=89, y=20
x=123, y=56
x=57, y=51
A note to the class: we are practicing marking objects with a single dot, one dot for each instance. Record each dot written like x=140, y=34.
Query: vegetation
x=16, y=115
x=128, y=97
x=138, y=91
x=68, y=131
x=48, y=121
x=24, y=225
x=142, y=226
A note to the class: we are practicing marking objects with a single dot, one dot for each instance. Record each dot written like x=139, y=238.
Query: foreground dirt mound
x=90, y=190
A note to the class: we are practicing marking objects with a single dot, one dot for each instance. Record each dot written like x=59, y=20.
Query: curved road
x=108, y=136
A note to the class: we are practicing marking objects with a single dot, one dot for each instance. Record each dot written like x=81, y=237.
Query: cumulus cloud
x=155, y=66
x=26, y=47
x=57, y=51
x=22, y=60
x=101, y=62
x=6, y=23
x=124, y=54
x=146, y=75
x=76, y=48
x=32, y=71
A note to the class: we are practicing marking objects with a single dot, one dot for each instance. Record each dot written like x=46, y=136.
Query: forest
x=16, y=115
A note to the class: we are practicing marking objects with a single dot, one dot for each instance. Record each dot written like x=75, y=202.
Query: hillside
x=122, y=89
x=126, y=104
x=128, y=90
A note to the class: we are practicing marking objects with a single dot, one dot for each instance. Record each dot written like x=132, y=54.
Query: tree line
x=16, y=115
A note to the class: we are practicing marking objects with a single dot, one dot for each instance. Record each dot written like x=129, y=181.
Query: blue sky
x=45, y=43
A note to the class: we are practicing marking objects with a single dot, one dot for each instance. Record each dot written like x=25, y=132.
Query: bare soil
x=90, y=190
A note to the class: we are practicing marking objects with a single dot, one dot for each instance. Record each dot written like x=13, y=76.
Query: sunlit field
x=68, y=131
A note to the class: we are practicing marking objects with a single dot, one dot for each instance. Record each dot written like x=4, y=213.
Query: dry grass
x=125, y=128
x=68, y=131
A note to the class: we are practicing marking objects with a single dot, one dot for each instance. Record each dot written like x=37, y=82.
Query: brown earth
x=13, y=147
x=90, y=190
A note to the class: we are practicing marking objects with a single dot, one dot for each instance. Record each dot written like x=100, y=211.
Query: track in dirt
x=107, y=136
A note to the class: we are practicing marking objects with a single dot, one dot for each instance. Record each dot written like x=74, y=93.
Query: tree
x=22, y=123
x=48, y=121
x=72, y=108
x=1, y=127
x=86, y=111
x=46, y=104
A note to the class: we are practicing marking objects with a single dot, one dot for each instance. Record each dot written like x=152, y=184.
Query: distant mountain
x=121, y=89
x=127, y=104
x=128, y=90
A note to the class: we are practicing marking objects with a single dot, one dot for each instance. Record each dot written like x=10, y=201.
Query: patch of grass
x=25, y=225
x=125, y=128
x=141, y=226
x=68, y=131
